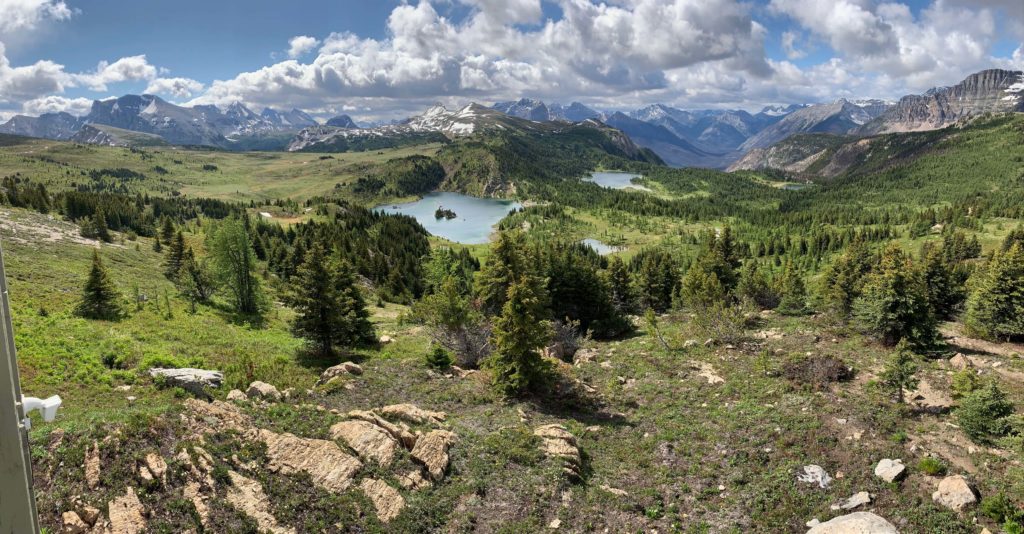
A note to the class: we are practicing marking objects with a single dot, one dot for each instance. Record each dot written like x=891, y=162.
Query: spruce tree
x=506, y=263
x=843, y=281
x=620, y=285
x=793, y=291
x=175, y=256
x=984, y=414
x=899, y=372
x=995, y=309
x=100, y=299
x=234, y=264
x=99, y=226
x=166, y=229
x=894, y=303
x=944, y=293
x=701, y=287
x=331, y=309
x=519, y=333
x=753, y=285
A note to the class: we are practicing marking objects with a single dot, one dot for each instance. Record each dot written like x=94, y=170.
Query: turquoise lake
x=600, y=247
x=616, y=180
x=475, y=218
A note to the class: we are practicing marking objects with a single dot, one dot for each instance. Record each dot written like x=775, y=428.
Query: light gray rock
x=858, y=499
x=855, y=523
x=890, y=470
x=263, y=390
x=193, y=380
x=815, y=474
x=955, y=492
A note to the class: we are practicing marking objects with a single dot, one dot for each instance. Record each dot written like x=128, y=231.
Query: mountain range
x=736, y=139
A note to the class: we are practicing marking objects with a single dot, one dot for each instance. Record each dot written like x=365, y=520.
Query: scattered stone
x=890, y=470
x=414, y=480
x=614, y=491
x=156, y=465
x=205, y=417
x=386, y=340
x=606, y=364
x=325, y=462
x=855, y=523
x=813, y=523
x=386, y=500
x=72, y=524
x=690, y=343
x=960, y=362
x=815, y=474
x=236, y=395
x=412, y=414
x=89, y=514
x=557, y=442
x=342, y=369
x=370, y=441
x=92, y=466
x=858, y=499
x=248, y=496
x=707, y=371
x=431, y=450
x=955, y=493
x=263, y=390
x=194, y=380
x=126, y=514
x=555, y=523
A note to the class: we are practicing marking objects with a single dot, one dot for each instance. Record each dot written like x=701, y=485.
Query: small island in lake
x=444, y=213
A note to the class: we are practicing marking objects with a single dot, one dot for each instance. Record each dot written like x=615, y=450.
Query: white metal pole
x=17, y=501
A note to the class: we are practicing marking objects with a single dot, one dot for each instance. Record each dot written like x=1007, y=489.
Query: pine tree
x=794, y=293
x=175, y=256
x=620, y=285
x=506, y=264
x=894, y=304
x=899, y=372
x=166, y=229
x=844, y=280
x=99, y=226
x=753, y=285
x=944, y=293
x=995, y=309
x=331, y=309
x=157, y=247
x=519, y=333
x=100, y=299
x=701, y=287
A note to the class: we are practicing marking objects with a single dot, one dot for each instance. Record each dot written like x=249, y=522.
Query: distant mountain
x=99, y=134
x=714, y=131
x=671, y=148
x=795, y=154
x=341, y=121
x=234, y=128
x=989, y=91
x=59, y=126
x=535, y=110
x=839, y=117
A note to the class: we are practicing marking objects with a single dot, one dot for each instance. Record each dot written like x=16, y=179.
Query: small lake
x=616, y=180
x=795, y=187
x=601, y=248
x=474, y=221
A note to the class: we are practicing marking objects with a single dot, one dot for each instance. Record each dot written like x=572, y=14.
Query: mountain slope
x=839, y=117
x=48, y=125
x=989, y=91
x=673, y=149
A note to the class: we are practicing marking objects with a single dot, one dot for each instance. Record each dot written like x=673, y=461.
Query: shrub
x=932, y=466
x=983, y=415
x=965, y=382
x=439, y=358
x=817, y=371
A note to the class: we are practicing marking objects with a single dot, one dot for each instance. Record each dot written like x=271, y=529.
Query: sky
x=381, y=59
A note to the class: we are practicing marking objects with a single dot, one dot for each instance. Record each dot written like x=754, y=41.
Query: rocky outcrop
x=400, y=431
x=955, y=492
x=325, y=462
x=92, y=466
x=248, y=496
x=126, y=514
x=557, y=442
x=855, y=523
x=71, y=523
x=205, y=417
x=412, y=414
x=370, y=441
x=431, y=450
x=153, y=469
x=386, y=500
x=342, y=369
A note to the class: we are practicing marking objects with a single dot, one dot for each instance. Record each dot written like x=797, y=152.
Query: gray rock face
x=890, y=470
x=855, y=523
x=193, y=380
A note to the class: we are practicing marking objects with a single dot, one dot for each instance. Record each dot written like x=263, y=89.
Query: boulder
x=263, y=390
x=955, y=492
x=890, y=470
x=960, y=362
x=370, y=441
x=558, y=442
x=412, y=414
x=89, y=514
x=193, y=380
x=236, y=395
x=342, y=369
x=431, y=450
x=815, y=474
x=126, y=514
x=386, y=340
x=329, y=467
x=858, y=499
x=855, y=523
x=71, y=523
x=386, y=500
x=248, y=496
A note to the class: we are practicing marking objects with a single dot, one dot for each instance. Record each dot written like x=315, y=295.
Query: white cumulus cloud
x=301, y=45
x=18, y=15
x=176, y=87
x=56, y=104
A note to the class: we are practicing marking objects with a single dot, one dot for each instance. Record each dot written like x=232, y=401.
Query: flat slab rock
x=248, y=496
x=126, y=514
x=855, y=523
x=370, y=441
x=386, y=500
x=325, y=462
x=193, y=380
x=411, y=413
x=558, y=442
x=890, y=470
x=431, y=450
x=955, y=492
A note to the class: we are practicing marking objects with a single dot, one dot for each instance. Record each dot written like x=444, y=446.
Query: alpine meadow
x=354, y=267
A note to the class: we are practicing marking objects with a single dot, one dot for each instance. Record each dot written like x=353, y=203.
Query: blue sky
x=380, y=59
